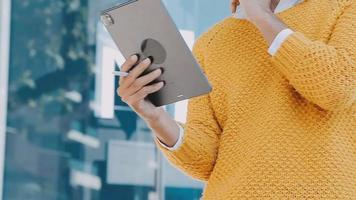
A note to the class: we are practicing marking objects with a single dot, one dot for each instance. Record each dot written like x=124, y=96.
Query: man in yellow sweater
x=280, y=122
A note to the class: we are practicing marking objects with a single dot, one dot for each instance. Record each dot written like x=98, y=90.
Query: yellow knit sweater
x=276, y=127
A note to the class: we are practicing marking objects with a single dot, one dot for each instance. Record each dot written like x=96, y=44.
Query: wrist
x=263, y=18
x=156, y=119
x=269, y=25
x=164, y=128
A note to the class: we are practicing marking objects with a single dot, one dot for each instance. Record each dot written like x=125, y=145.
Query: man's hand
x=261, y=14
x=255, y=9
x=234, y=4
x=268, y=5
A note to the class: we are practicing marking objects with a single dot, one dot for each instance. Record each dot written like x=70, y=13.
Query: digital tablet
x=145, y=27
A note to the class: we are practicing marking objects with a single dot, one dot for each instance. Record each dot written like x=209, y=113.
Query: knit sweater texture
x=276, y=127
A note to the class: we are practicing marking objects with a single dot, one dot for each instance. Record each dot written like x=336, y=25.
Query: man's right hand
x=134, y=88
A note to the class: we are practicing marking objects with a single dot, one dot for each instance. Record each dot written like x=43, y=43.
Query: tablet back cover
x=145, y=27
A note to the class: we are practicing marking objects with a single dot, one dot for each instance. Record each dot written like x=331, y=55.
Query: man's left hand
x=261, y=14
x=255, y=9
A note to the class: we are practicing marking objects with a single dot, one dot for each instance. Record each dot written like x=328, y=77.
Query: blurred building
x=65, y=134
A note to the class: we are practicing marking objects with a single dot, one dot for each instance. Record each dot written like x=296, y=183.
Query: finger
x=234, y=4
x=142, y=81
x=136, y=72
x=274, y=4
x=141, y=94
x=129, y=63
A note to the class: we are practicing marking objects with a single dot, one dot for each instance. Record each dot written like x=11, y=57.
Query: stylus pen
x=121, y=74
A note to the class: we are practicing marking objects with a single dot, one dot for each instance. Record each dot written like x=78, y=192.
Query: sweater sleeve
x=323, y=73
x=198, y=151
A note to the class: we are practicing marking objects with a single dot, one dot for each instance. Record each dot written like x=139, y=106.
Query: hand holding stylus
x=133, y=90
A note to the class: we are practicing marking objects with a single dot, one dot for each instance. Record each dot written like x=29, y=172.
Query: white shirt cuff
x=278, y=40
x=179, y=141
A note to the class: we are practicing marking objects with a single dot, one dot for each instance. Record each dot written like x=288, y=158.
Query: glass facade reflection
x=68, y=136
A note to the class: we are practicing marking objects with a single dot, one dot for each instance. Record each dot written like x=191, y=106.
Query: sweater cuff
x=278, y=41
x=292, y=51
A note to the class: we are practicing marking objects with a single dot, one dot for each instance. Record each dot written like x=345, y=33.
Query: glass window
x=68, y=135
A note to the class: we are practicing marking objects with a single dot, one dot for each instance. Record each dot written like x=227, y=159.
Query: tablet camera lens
x=107, y=20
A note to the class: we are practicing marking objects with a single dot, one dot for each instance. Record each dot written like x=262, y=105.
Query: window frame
x=5, y=21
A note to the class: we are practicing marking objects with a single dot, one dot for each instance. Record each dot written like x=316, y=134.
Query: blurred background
x=64, y=134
